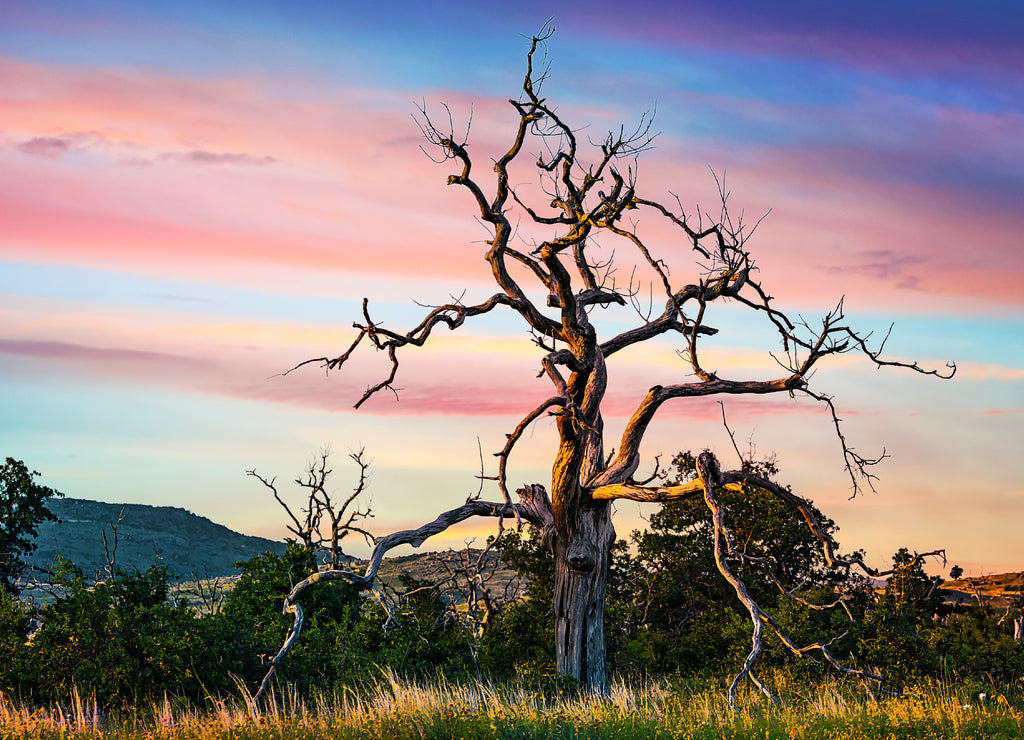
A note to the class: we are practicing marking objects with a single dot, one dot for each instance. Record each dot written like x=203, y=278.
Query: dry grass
x=394, y=708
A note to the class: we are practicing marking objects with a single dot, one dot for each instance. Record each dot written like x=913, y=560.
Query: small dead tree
x=465, y=581
x=211, y=593
x=110, y=549
x=549, y=249
x=326, y=519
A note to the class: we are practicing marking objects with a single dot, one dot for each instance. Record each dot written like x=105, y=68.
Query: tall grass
x=390, y=707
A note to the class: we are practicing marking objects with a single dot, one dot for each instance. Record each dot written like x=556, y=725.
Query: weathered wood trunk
x=581, y=583
x=1018, y=628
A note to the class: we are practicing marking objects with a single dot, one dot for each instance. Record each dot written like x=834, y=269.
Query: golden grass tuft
x=392, y=707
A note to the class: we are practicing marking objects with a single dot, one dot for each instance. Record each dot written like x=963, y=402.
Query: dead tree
x=326, y=519
x=211, y=594
x=464, y=579
x=549, y=251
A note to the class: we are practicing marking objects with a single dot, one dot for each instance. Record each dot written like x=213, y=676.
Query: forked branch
x=533, y=507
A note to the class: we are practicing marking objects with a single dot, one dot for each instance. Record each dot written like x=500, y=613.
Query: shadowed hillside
x=188, y=544
x=166, y=535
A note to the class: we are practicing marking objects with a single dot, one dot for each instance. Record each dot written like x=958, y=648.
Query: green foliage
x=894, y=634
x=345, y=634
x=685, y=618
x=23, y=505
x=423, y=642
x=977, y=643
x=909, y=633
x=520, y=639
x=251, y=623
x=14, y=630
x=119, y=640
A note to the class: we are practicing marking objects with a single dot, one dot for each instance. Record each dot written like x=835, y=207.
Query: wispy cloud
x=882, y=264
x=986, y=371
x=199, y=156
x=68, y=352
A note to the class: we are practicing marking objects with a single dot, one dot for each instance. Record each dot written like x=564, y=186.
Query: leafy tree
x=520, y=640
x=895, y=635
x=677, y=576
x=119, y=640
x=345, y=634
x=975, y=642
x=14, y=630
x=251, y=622
x=22, y=508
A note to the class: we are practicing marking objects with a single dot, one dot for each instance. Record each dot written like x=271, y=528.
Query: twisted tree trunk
x=581, y=583
x=578, y=279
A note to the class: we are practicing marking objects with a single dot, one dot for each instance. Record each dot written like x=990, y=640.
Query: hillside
x=421, y=566
x=999, y=590
x=188, y=544
x=191, y=545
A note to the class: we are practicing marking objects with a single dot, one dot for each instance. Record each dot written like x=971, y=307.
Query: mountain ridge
x=189, y=544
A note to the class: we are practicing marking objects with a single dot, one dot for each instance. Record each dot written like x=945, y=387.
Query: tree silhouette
x=23, y=506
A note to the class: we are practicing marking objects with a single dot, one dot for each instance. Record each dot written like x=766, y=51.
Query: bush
x=119, y=640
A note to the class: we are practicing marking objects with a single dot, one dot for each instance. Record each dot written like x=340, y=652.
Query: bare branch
x=534, y=507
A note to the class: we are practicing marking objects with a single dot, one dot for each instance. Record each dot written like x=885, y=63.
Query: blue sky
x=197, y=197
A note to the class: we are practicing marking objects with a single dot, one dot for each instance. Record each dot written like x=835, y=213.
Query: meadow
x=390, y=707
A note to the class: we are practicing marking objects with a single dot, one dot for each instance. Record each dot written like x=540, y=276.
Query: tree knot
x=582, y=557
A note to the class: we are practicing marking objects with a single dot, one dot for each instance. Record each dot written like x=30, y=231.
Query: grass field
x=391, y=708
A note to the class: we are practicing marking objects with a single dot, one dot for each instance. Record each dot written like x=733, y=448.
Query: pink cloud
x=77, y=353
x=49, y=232
x=898, y=235
x=351, y=192
x=427, y=385
x=881, y=264
x=47, y=147
x=199, y=156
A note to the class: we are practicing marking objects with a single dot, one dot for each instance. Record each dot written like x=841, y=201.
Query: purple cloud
x=48, y=147
x=199, y=156
x=882, y=264
x=76, y=352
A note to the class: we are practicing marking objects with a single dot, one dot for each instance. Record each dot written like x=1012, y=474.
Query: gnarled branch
x=533, y=507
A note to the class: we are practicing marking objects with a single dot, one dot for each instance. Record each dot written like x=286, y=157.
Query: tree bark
x=581, y=583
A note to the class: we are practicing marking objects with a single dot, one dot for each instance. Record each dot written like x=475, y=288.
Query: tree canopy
x=22, y=508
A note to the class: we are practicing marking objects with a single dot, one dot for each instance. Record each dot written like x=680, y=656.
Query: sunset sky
x=197, y=196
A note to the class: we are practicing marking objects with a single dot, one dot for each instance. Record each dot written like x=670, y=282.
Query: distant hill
x=166, y=535
x=189, y=545
x=999, y=590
